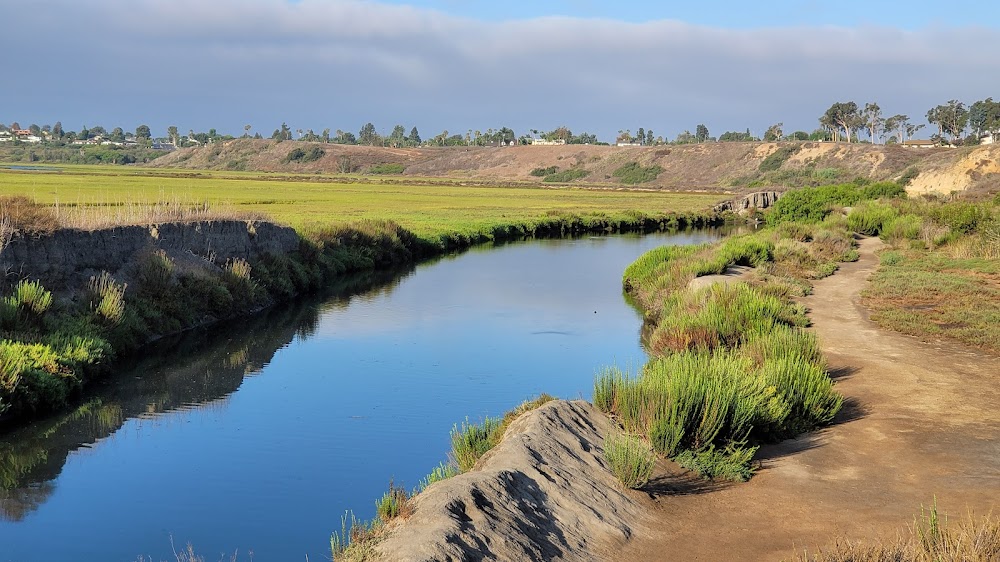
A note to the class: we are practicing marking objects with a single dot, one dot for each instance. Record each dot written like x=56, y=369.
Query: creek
x=258, y=435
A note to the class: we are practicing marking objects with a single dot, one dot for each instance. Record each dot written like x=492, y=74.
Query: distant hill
x=695, y=166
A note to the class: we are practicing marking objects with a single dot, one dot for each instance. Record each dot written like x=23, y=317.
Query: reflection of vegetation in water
x=193, y=370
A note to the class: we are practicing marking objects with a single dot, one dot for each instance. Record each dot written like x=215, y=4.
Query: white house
x=544, y=142
x=988, y=138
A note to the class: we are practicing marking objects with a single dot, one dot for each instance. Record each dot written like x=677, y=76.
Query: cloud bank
x=340, y=63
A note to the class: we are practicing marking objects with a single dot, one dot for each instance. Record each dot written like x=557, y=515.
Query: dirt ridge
x=695, y=166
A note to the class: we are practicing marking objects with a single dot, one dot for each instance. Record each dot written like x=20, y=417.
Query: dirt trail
x=922, y=420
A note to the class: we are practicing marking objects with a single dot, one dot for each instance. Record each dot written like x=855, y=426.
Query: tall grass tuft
x=629, y=458
x=108, y=298
x=471, y=441
x=440, y=472
x=31, y=296
x=394, y=503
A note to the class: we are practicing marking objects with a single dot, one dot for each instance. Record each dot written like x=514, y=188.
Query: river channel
x=257, y=436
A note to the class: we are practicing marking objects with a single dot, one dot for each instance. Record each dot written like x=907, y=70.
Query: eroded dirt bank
x=921, y=422
x=543, y=493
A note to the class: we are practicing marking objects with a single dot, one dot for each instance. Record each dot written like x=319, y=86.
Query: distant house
x=5, y=136
x=163, y=146
x=988, y=138
x=545, y=142
x=627, y=144
x=920, y=144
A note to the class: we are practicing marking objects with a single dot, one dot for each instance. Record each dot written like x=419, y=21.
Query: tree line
x=954, y=122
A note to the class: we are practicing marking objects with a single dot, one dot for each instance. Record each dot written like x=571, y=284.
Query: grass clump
x=870, y=218
x=635, y=173
x=542, y=172
x=732, y=464
x=107, y=298
x=629, y=458
x=385, y=169
x=566, y=176
x=471, y=441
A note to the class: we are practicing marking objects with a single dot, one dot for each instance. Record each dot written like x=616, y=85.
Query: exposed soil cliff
x=65, y=260
x=543, y=493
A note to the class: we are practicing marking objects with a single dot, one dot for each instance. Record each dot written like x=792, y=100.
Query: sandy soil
x=921, y=422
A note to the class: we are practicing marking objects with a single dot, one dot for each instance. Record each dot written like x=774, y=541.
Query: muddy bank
x=543, y=493
x=65, y=260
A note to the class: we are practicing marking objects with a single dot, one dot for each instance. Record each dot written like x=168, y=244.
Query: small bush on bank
x=26, y=216
x=542, y=172
x=871, y=217
x=635, y=173
x=471, y=441
x=732, y=464
x=629, y=458
x=566, y=176
x=778, y=157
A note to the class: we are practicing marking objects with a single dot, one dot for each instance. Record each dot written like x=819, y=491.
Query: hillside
x=695, y=166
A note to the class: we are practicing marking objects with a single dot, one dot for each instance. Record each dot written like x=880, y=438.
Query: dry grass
x=929, y=539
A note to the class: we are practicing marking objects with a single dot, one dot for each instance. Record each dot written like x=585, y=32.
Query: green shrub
x=908, y=176
x=30, y=296
x=826, y=269
x=903, y=227
x=629, y=458
x=634, y=173
x=959, y=216
x=732, y=464
x=811, y=204
x=566, y=176
x=156, y=273
x=890, y=258
x=778, y=157
x=542, y=172
x=870, y=218
x=387, y=169
x=883, y=190
x=304, y=156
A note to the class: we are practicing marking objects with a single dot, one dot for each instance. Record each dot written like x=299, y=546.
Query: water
x=258, y=436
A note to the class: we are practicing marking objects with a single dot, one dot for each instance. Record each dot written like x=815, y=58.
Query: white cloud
x=339, y=63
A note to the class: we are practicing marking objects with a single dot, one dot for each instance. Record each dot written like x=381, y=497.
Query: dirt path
x=922, y=420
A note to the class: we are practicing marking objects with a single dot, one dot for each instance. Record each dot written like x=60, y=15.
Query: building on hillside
x=988, y=138
x=920, y=144
x=5, y=136
x=628, y=144
x=545, y=142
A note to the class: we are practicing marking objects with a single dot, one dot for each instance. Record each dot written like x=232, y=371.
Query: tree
x=951, y=119
x=57, y=130
x=641, y=135
x=414, y=136
x=649, y=137
x=686, y=138
x=368, y=135
x=774, y=132
x=398, y=136
x=173, y=135
x=701, y=133
x=35, y=129
x=142, y=132
x=842, y=115
x=117, y=135
x=624, y=136
x=874, y=122
x=246, y=130
x=799, y=136
x=984, y=117
x=326, y=134
x=84, y=133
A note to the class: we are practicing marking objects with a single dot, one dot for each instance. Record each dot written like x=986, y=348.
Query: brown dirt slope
x=696, y=166
x=543, y=493
x=920, y=422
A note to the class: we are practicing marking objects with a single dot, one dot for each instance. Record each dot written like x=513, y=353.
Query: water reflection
x=196, y=370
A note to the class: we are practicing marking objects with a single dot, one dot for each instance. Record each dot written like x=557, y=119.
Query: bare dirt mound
x=543, y=493
x=695, y=166
x=920, y=422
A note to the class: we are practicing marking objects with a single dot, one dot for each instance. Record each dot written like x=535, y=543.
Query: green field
x=99, y=195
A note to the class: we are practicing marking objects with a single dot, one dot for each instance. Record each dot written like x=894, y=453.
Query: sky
x=454, y=65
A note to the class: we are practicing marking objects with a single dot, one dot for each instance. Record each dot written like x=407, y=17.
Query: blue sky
x=451, y=65
x=912, y=14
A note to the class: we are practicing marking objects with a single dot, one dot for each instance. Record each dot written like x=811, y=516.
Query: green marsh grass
x=107, y=298
x=630, y=459
x=470, y=441
x=93, y=196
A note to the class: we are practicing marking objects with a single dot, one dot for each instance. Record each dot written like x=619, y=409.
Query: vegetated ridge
x=725, y=165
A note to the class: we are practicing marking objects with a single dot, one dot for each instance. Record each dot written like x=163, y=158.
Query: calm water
x=259, y=436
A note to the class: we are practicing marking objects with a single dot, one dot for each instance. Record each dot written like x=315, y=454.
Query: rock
x=543, y=493
x=743, y=205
